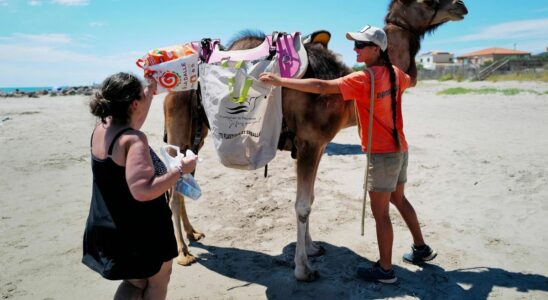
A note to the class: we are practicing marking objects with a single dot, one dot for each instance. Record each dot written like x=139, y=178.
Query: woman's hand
x=188, y=164
x=152, y=87
x=270, y=78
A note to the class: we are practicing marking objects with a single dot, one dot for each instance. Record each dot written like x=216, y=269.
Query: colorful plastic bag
x=175, y=68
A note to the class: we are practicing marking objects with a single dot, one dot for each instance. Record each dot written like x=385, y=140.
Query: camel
x=313, y=119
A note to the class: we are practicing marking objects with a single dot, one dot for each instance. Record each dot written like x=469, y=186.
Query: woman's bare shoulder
x=134, y=138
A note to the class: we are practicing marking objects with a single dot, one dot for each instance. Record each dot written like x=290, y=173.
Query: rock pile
x=68, y=91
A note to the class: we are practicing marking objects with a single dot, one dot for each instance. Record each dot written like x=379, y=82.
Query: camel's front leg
x=176, y=203
x=307, y=165
x=312, y=248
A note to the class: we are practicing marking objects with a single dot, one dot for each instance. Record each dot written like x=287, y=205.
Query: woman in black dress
x=129, y=235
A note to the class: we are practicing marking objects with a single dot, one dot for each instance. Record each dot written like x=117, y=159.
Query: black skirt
x=125, y=238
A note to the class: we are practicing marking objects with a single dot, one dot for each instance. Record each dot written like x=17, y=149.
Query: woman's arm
x=308, y=85
x=143, y=185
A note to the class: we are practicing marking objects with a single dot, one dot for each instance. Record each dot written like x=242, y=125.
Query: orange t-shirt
x=356, y=86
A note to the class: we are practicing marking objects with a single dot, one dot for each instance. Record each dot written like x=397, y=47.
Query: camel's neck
x=404, y=37
x=403, y=24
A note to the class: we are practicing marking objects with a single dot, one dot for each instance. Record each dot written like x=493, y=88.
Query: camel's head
x=423, y=15
x=449, y=10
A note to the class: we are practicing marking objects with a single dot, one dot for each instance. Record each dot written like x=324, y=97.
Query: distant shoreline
x=35, y=92
x=25, y=89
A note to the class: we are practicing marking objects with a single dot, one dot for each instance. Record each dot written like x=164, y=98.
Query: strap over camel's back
x=288, y=48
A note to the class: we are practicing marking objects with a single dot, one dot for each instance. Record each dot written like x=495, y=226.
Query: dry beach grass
x=477, y=177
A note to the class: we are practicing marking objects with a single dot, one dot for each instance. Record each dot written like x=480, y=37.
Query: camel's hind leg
x=178, y=210
x=309, y=155
x=177, y=206
x=191, y=233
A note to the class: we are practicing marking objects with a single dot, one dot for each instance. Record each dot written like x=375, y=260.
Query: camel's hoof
x=195, y=236
x=319, y=252
x=186, y=260
x=310, y=277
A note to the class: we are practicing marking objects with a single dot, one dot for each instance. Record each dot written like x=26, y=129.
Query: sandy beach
x=477, y=177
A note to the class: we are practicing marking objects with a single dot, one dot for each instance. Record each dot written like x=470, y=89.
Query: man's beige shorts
x=386, y=171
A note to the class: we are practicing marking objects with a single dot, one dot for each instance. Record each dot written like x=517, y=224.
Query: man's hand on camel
x=270, y=78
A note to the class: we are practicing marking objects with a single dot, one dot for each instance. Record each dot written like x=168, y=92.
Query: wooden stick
x=369, y=135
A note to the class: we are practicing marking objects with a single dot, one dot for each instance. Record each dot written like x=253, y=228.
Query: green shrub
x=358, y=67
x=529, y=76
x=455, y=91
x=510, y=92
x=487, y=90
x=486, y=64
x=446, y=77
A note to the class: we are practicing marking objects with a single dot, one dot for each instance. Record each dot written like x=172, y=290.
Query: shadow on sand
x=343, y=149
x=338, y=280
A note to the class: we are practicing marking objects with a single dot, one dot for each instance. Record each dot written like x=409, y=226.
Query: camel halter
x=369, y=135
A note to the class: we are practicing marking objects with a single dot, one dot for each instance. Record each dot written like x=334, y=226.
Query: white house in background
x=435, y=60
x=491, y=54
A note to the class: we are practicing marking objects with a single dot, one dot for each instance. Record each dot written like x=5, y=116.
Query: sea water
x=25, y=89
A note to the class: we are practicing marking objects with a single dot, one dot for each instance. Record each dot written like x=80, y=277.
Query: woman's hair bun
x=115, y=96
x=99, y=106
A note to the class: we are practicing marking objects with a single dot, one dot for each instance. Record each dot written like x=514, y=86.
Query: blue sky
x=80, y=42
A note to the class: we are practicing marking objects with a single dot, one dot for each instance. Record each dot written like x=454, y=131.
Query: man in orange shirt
x=388, y=168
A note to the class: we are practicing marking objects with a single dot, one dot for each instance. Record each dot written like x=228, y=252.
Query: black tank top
x=125, y=238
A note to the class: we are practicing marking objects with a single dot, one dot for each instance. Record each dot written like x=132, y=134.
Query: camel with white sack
x=310, y=121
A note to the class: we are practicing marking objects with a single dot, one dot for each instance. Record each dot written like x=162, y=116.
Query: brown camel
x=313, y=119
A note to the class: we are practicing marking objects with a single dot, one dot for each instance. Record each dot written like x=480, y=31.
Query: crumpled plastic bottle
x=186, y=185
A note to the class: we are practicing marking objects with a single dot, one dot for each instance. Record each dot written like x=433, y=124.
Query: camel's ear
x=321, y=37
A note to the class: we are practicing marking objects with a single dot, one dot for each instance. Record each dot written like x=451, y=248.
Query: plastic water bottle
x=186, y=185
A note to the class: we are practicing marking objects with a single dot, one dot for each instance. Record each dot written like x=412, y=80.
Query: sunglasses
x=361, y=45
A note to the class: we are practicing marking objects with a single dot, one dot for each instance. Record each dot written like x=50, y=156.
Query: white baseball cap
x=370, y=34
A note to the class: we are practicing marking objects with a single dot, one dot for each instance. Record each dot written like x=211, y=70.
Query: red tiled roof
x=491, y=51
